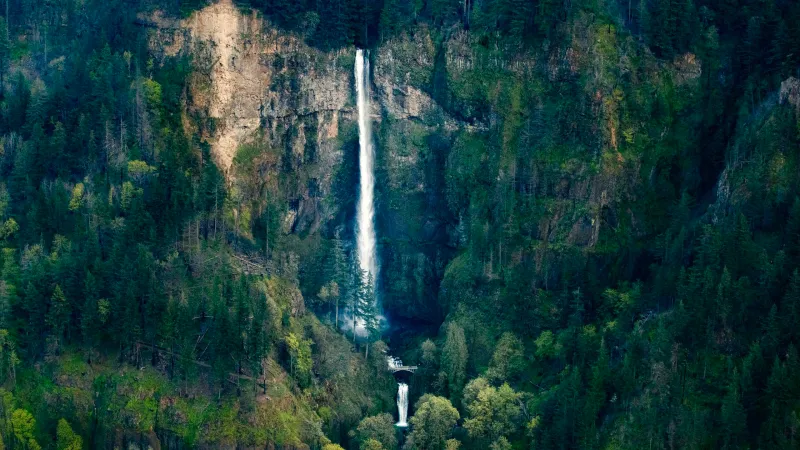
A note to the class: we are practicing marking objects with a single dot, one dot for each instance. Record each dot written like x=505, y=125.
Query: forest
x=588, y=220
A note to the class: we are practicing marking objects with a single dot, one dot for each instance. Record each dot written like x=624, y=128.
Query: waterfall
x=366, y=209
x=402, y=404
x=365, y=229
x=402, y=393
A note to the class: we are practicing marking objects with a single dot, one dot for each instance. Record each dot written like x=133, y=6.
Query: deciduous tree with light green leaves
x=378, y=428
x=66, y=439
x=299, y=357
x=493, y=412
x=508, y=360
x=23, y=425
x=432, y=424
x=371, y=444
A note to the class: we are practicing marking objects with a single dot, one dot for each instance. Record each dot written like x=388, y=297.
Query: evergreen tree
x=734, y=418
x=454, y=359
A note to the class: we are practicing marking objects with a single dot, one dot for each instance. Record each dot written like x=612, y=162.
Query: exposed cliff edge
x=254, y=78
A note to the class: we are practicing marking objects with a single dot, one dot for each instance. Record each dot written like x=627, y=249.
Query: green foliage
x=300, y=357
x=58, y=314
x=8, y=229
x=454, y=359
x=493, y=412
x=139, y=170
x=452, y=444
x=432, y=423
x=66, y=439
x=546, y=345
x=152, y=92
x=23, y=426
x=9, y=359
x=371, y=444
x=377, y=432
x=600, y=203
x=77, y=197
x=501, y=444
x=508, y=361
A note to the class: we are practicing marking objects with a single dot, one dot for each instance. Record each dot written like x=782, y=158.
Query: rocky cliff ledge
x=253, y=82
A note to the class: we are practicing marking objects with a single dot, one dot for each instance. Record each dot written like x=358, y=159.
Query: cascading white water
x=402, y=404
x=402, y=393
x=366, y=209
x=367, y=257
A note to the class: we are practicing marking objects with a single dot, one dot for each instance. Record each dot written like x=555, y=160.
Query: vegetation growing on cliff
x=597, y=207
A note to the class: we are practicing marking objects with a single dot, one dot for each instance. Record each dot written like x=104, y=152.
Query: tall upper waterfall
x=366, y=209
x=365, y=230
x=402, y=405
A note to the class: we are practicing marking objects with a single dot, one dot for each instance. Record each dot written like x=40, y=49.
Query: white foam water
x=366, y=161
x=402, y=405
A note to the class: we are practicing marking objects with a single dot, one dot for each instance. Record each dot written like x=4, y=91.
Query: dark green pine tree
x=734, y=417
x=243, y=322
x=442, y=11
x=771, y=329
x=792, y=235
x=396, y=16
x=791, y=304
x=660, y=27
x=370, y=313
x=595, y=398
x=334, y=29
x=356, y=297
x=58, y=316
x=776, y=402
x=90, y=317
x=35, y=306
x=5, y=53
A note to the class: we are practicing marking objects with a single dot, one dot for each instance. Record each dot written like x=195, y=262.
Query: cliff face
x=547, y=134
x=252, y=83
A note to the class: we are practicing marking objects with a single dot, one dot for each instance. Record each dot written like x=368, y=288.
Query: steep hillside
x=588, y=224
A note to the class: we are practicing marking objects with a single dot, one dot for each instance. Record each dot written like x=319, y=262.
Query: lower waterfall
x=402, y=393
x=402, y=404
